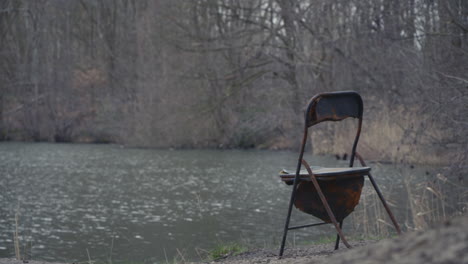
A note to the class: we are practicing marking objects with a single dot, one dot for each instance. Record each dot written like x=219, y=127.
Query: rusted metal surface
x=333, y=107
x=337, y=241
x=293, y=193
x=325, y=174
x=336, y=106
x=333, y=195
x=325, y=204
x=325, y=107
x=342, y=196
x=341, y=187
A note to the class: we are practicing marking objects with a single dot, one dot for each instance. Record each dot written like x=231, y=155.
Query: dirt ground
x=303, y=254
x=444, y=244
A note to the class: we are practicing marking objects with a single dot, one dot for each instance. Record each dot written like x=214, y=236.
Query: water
x=144, y=204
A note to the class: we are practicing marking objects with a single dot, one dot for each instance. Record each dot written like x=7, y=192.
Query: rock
x=445, y=244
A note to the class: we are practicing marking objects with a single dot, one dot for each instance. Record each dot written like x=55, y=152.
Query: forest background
x=237, y=73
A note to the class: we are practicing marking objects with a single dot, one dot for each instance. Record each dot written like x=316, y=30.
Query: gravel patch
x=302, y=254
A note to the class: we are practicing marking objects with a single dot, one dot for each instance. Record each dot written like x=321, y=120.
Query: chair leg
x=288, y=217
x=382, y=199
x=325, y=203
x=387, y=208
x=337, y=243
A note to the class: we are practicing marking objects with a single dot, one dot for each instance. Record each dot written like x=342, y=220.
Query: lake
x=145, y=205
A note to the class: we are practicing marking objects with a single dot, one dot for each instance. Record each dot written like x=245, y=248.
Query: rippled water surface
x=143, y=204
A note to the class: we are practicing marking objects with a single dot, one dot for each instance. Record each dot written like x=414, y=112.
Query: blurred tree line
x=235, y=73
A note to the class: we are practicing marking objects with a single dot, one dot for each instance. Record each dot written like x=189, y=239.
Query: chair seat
x=325, y=174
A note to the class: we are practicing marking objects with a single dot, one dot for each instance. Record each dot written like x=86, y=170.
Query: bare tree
x=234, y=73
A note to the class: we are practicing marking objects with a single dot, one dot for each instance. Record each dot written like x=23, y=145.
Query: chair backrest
x=334, y=106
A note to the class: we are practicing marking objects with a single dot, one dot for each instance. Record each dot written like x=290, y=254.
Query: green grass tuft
x=319, y=241
x=222, y=251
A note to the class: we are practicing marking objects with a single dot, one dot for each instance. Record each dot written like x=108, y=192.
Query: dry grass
x=16, y=239
x=428, y=202
x=404, y=135
x=397, y=134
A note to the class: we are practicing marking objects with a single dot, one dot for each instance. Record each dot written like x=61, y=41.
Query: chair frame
x=331, y=113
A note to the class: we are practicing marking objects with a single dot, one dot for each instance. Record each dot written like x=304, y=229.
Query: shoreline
x=273, y=149
x=443, y=244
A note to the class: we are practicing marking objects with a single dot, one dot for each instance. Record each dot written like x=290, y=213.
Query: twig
x=111, y=249
x=165, y=256
x=16, y=239
x=182, y=256
x=89, y=257
x=453, y=77
x=198, y=252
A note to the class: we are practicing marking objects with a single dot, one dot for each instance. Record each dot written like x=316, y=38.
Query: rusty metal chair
x=330, y=194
